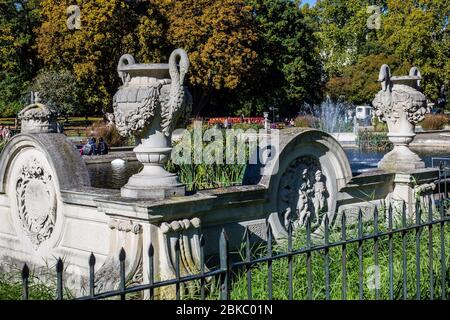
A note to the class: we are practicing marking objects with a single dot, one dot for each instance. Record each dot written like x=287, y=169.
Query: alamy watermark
x=74, y=20
x=374, y=21
x=373, y=277
x=227, y=147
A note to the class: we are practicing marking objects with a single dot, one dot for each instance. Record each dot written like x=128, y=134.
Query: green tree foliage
x=288, y=70
x=18, y=60
x=246, y=55
x=358, y=83
x=417, y=32
x=58, y=90
x=341, y=27
x=412, y=33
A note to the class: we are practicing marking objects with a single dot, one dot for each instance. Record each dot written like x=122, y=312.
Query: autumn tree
x=91, y=52
x=219, y=36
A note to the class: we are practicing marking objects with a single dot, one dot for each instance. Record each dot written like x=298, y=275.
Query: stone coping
x=107, y=158
x=199, y=203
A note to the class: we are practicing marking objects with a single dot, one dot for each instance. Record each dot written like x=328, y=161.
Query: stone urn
x=401, y=105
x=152, y=100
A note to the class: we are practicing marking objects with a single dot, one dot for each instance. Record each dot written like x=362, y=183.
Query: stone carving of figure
x=302, y=193
x=37, y=99
x=319, y=195
x=302, y=204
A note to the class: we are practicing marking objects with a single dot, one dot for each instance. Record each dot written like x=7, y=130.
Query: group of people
x=92, y=148
x=5, y=133
x=289, y=122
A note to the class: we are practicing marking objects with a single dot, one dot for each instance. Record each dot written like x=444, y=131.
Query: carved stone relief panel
x=36, y=201
x=303, y=193
x=33, y=193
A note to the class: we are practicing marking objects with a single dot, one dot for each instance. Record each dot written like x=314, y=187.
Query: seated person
x=89, y=148
x=102, y=147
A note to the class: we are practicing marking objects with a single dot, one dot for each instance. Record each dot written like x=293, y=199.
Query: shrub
x=306, y=122
x=100, y=129
x=246, y=126
x=373, y=140
x=199, y=176
x=59, y=90
x=379, y=126
x=435, y=122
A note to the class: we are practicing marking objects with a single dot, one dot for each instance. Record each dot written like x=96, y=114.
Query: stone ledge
x=107, y=158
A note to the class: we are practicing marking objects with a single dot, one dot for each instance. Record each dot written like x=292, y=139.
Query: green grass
x=11, y=287
x=368, y=140
x=280, y=269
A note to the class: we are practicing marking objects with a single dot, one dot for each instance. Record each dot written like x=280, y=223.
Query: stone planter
x=148, y=105
x=401, y=105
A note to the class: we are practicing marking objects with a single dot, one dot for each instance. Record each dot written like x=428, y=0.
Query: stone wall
x=48, y=209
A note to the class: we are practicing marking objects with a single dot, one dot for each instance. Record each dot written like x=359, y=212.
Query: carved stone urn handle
x=178, y=66
x=385, y=77
x=171, y=112
x=124, y=60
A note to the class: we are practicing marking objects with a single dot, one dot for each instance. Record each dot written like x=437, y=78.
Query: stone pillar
x=153, y=182
x=403, y=193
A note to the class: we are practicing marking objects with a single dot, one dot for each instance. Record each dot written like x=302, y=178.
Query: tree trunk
x=202, y=97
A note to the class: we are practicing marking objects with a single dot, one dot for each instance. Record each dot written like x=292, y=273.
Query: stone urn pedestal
x=401, y=105
x=148, y=106
x=153, y=182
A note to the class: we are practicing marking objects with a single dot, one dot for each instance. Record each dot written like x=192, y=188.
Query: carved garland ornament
x=135, y=120
x=394, y=99
x=137, y=106
x=36, y=201
x=302, y=193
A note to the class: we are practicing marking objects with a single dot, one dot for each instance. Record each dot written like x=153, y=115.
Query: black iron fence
x=444, y=174
x=411, y=246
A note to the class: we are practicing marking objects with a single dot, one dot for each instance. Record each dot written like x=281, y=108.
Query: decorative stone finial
x=37, y=98
x=401, y=105
x=37, y=118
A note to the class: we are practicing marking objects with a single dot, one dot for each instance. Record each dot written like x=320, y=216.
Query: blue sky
x=311, y=2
